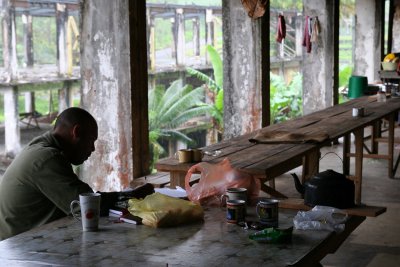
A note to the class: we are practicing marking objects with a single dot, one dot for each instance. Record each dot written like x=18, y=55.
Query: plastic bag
x=158, y=210
x=321, y=218
x=215, y=179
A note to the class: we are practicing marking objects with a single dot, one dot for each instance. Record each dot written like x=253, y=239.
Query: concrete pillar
x=242, y=70
x=299, y=34
x=152, y=44
x=367, y=43
x=196, y=36
x=396, y=26
x=209, y=31
x=317, y=66
x=28, y=34
x=105, y=72
x=29, y=101
x=11, y=121
x=9, y=43
x=64, y=96
x=180, y=37
x=61, y=20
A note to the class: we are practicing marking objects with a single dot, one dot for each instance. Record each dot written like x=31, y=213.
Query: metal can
x=268, y=212
x=235, y=211
x=358, y=112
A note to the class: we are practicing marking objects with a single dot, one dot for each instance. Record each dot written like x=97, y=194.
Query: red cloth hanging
x=281, y=29
x=307, y=35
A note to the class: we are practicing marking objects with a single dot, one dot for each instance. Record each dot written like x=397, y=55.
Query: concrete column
x=28, y=34
x=367, y=43
x=299, y=35
x=29, y=101
x=9, y=44
x=152, y=44
x=61, y=20
x=318, y=65
x=180, y=37
x=396, y=26
x=174, y=38
x=11, y=122
x=106, y=93
x=196, y=36
x=64, y=96
x=242, y=70
x=209, y=31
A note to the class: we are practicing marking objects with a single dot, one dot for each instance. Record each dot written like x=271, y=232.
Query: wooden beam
x=139, y=94
x=265, y=69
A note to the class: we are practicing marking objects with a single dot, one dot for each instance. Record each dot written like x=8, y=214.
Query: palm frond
x=216, y=62
x=193, y=98
x=192, y=113
x=204, y=78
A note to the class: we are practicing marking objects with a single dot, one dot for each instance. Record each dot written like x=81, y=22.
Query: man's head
x=76, y=130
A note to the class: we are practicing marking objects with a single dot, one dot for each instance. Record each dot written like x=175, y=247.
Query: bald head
x=76, y=130
x=73, y=116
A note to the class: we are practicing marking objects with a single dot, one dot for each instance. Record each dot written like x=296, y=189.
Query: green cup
x=357, y=85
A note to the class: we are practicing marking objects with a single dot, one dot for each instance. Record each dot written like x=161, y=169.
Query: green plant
x=169, y=109
x=214, y=90
x=286, y=99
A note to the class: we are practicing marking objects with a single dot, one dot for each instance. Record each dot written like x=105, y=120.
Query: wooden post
x=180, y=35
x=196, y=36
x=11, y=119
x=139, y=90
x=359, y=141
x=346, y=152
x=61, y=19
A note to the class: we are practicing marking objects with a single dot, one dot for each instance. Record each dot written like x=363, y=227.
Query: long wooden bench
x=159, y=180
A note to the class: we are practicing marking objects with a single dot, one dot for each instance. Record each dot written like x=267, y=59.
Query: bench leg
x=177, y=179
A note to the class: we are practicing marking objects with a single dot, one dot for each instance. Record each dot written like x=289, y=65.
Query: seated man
x=40, y=184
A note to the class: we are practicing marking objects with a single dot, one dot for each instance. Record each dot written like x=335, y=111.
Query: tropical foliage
x=214, y=91
x=286, y=99
x=171, y=108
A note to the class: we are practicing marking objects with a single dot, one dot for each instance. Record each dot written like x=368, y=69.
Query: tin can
x=268, y=212
x=235, y=211
x=358, y=112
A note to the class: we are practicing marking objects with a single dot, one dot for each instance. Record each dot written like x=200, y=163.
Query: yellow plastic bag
x=158, y=210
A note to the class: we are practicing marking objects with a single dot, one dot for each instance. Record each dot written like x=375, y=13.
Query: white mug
x=89, y=204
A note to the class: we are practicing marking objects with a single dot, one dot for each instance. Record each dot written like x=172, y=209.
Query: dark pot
x=328, y=188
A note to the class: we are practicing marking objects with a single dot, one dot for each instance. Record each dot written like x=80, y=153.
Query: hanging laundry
x=281, y=29
x=307, y=34
x=316, y=29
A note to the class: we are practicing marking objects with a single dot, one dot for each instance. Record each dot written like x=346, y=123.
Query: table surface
x=336, y=121
x=272, y=160
x=210, y=243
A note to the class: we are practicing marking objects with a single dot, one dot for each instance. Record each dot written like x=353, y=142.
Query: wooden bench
x=29, y=116
x=159, y=180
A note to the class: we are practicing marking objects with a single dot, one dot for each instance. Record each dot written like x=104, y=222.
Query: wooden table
x=271, y=160
x=210, y=243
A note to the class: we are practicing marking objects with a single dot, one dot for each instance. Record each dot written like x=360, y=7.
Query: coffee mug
x=268, y=212
x=233, y=193
x=197, y=155
x=89, y=205
x=185, y=155
x=235, y=211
